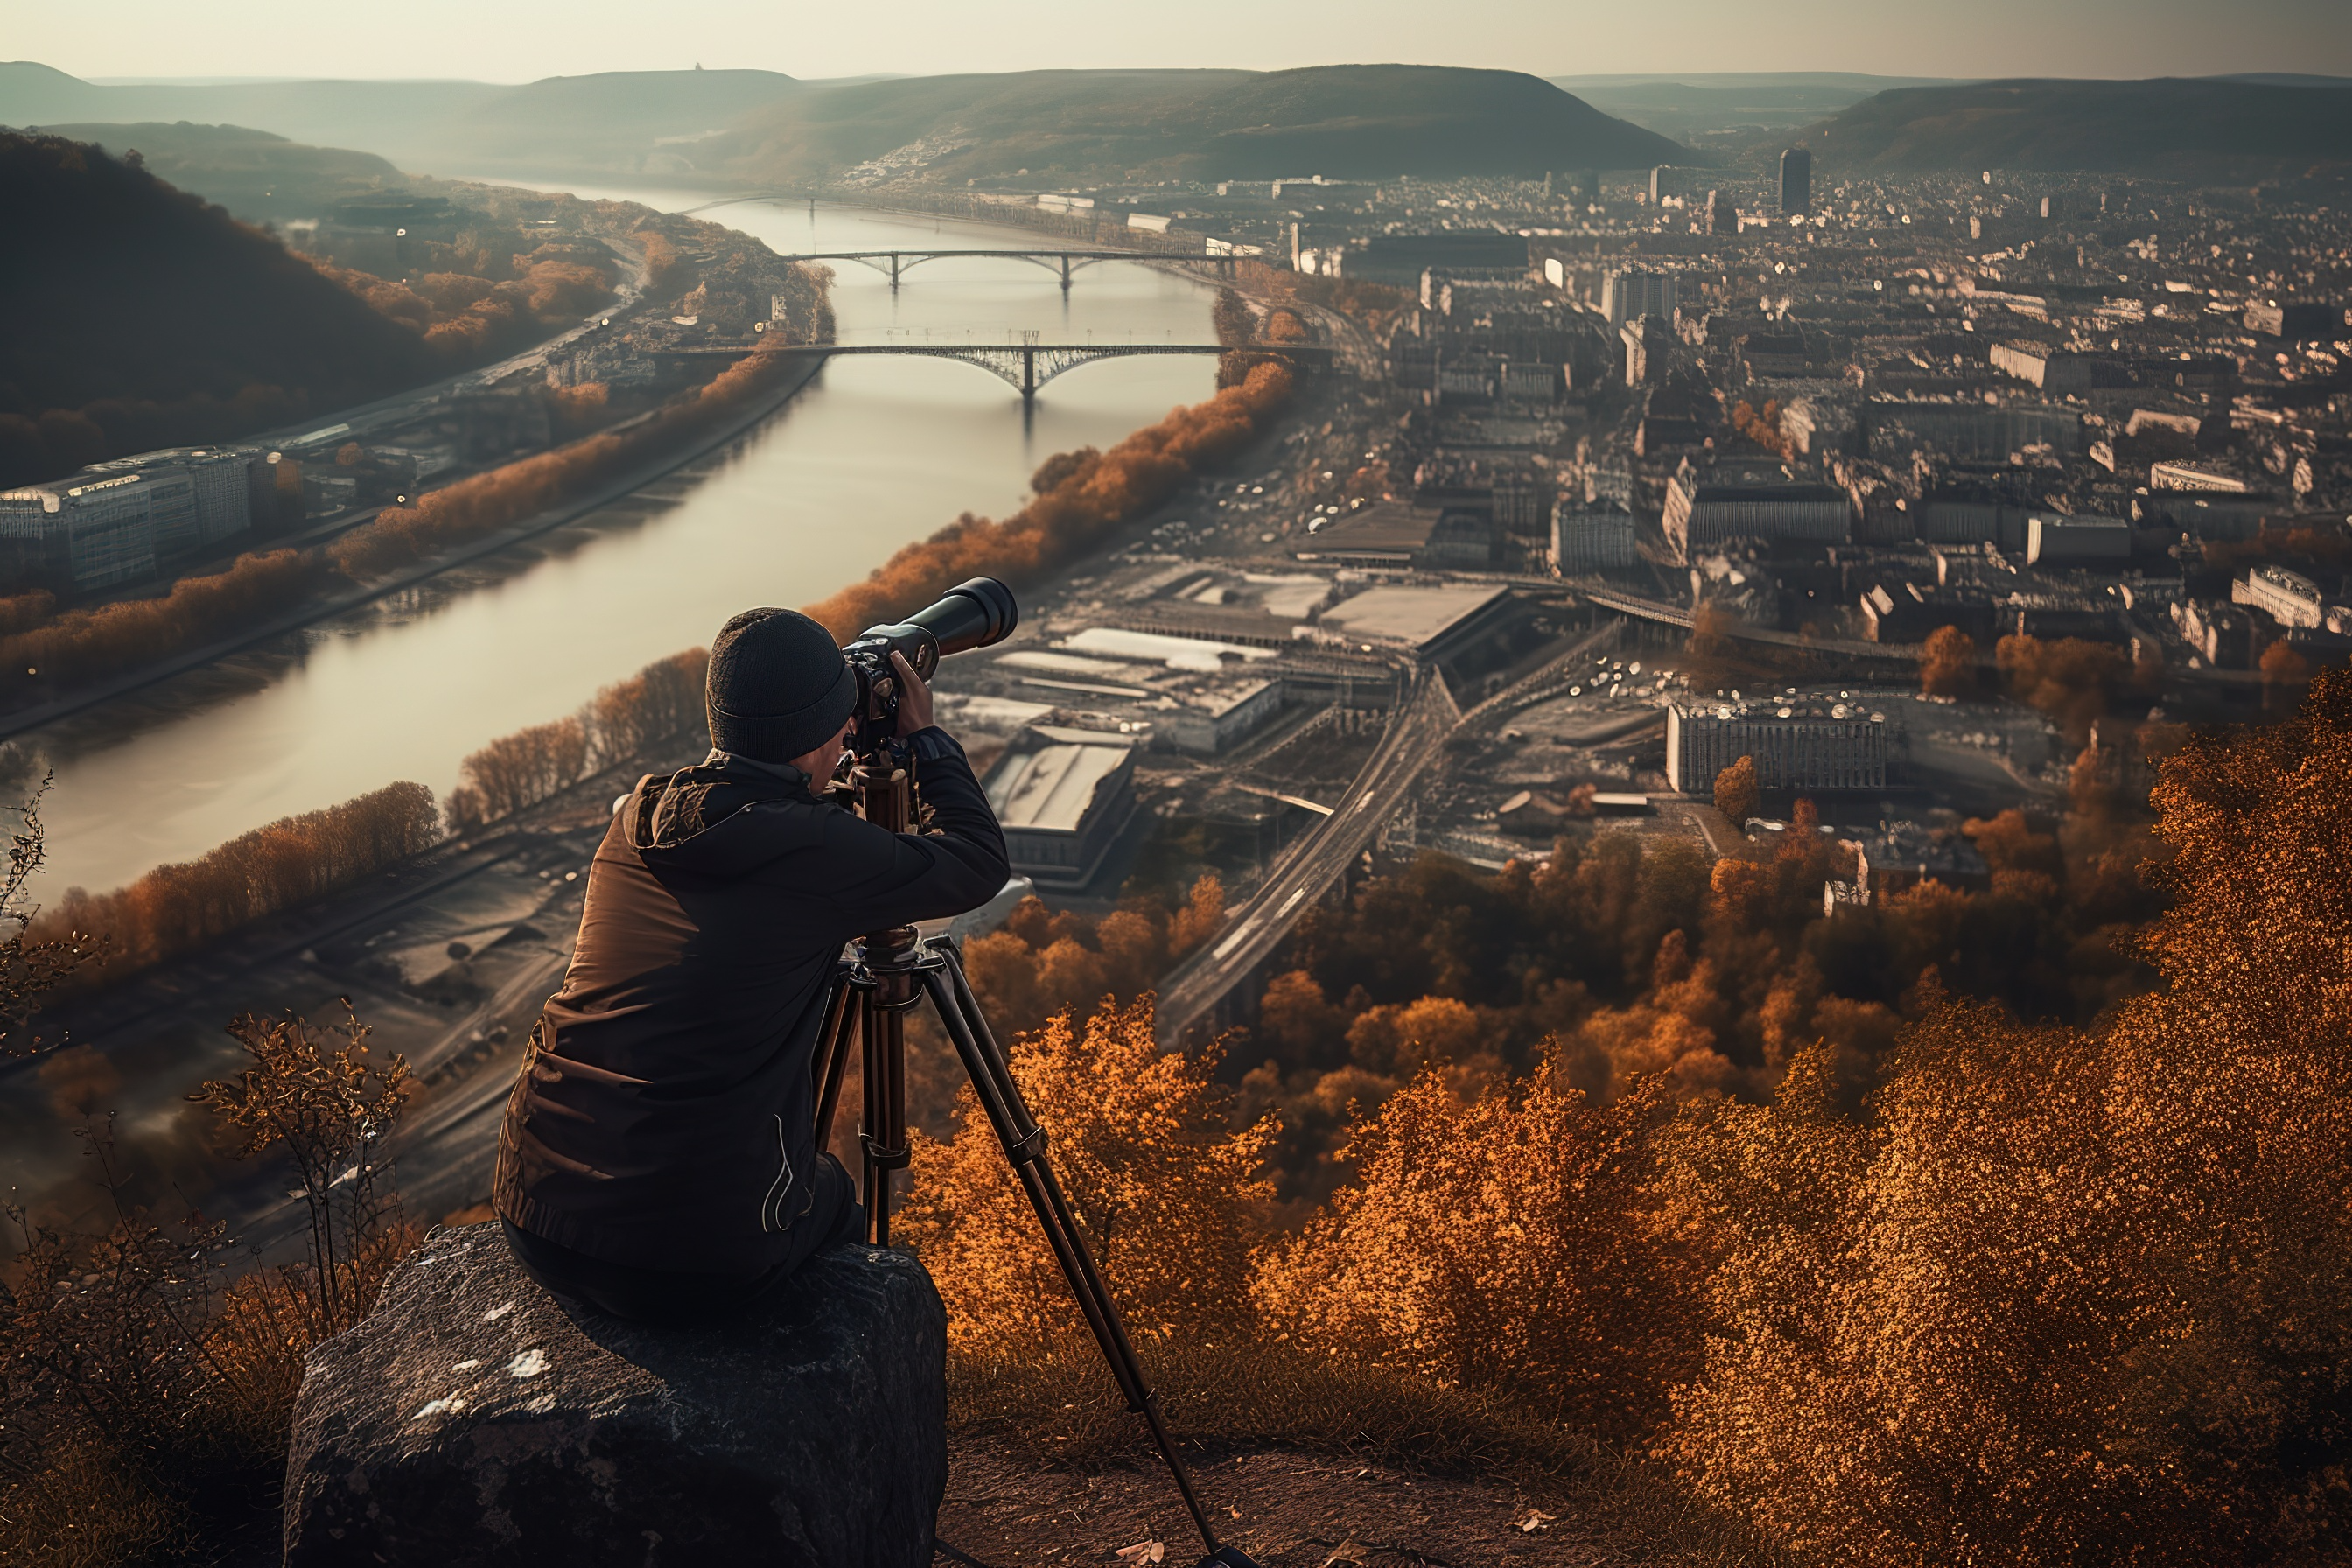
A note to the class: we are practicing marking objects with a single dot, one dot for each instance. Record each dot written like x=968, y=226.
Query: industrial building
x=1795, y=745
x=1586, y=539
x=120, y=520
x=1393, y=534
x=2061, y=540
x=1062, y=807
x=1703, y=512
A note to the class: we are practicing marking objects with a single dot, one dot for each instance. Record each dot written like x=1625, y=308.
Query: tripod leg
x=884, y=1137
x=831, y=1061
x=1024, y=1147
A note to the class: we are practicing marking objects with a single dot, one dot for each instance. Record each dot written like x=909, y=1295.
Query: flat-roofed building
x=1796, y=744
x=1705, y=512
x=1391, y=534
x=1209, y=719
x=1432, y=622
x=1061, y=806
x=2290, y=598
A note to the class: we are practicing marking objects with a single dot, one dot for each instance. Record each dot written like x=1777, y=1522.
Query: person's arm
x=888, y=880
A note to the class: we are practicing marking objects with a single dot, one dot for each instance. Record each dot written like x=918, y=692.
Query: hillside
x=1715, y=102
x=256, y=175
x=757, y=126
x=1346, y=120
x=2167, y=126
x=145, y=317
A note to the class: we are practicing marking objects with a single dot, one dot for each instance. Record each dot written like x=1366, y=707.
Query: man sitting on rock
x=658, y=1160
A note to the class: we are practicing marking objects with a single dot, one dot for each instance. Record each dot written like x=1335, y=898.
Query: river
x=873, y=454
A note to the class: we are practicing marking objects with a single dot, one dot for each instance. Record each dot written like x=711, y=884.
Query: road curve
x=1313, y=864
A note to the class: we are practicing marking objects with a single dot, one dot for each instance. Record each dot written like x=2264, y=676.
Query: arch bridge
x=896, y=264
x=1026, y=367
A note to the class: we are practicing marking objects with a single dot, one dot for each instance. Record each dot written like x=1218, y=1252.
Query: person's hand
x=914, y=697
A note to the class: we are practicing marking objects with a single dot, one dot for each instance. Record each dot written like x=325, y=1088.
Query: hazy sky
x=518, y=40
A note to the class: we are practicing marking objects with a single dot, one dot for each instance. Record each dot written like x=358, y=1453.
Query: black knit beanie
x=779, y=686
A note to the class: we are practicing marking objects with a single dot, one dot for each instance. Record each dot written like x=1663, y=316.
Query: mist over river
x=875, y=452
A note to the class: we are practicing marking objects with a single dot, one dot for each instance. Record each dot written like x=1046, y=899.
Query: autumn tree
x=1948, y=663
x=518, y=770
x=1169, y=1194
x=2069, y=1295
x=1503, y=1245
x=1736, y=791
x=2070, y=680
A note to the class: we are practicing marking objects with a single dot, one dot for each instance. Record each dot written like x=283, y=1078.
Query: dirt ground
x=1286, y=1510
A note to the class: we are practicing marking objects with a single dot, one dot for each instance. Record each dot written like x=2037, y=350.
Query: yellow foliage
x=1169, y=1194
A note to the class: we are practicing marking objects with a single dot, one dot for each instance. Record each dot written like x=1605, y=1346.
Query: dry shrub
x=1089, y=496
x=143, y=1405
x=1168, y=1195
x=178, y=908
x=1501, y=1245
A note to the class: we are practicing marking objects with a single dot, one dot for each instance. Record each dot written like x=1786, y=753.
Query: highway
x=1313, y=864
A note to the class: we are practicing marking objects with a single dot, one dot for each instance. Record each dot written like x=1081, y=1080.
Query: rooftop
x=1415, y=617
x=1053, y=787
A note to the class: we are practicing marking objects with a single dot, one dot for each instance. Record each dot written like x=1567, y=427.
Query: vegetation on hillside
x=1365, y=121
x=2176, y=127
x=256, y=175
x=146, y=318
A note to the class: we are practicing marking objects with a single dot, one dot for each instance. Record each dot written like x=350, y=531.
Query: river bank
x=867, y=457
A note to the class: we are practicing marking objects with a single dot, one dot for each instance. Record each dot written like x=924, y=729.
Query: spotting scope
x=969, y=616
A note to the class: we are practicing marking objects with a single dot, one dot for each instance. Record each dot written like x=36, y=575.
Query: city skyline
x=439, y=38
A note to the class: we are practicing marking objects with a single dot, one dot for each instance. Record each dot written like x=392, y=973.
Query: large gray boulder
x=474, y=1418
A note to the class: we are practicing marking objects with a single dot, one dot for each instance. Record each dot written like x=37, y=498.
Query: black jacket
x=664, y=1117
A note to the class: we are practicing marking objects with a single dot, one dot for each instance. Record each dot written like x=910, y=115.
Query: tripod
x=870, y=995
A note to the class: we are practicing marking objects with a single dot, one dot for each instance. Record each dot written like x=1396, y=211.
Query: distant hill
x=133, y=315
x=1715, y=101
x=2187, y=128
x=256, y=175
x=1345, y=121
x=758, y=126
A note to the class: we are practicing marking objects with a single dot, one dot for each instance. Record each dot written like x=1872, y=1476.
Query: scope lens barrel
x=971, y=615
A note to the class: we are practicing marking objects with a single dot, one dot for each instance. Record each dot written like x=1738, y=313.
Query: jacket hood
x=700, y=818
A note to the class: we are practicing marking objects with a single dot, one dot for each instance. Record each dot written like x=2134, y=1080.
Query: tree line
x=2006, y=1256
x=539, y=761
x=177, y=909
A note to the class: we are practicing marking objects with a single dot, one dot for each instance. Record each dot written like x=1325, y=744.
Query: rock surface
x=476, y=1418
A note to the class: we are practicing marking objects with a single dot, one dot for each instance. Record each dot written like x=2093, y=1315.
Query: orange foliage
x=1948, y=663
x=1503, y=1244
x=455, y=513
x=1764, y=429
x=1736, y=791
x=622, y=721
x=1090, y=498
x=2070, y=680
x=88, y=644
x=177, y=909
x=1040, y=964
x=1170, y=1197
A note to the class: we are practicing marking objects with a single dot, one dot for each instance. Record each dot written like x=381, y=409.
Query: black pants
x=676, y=1298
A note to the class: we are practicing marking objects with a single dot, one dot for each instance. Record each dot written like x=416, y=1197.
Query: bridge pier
x=1029, y=372
x=894, y=272
x=1066, y=273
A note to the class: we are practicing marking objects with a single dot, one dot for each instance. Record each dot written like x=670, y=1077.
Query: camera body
x=971, y=615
